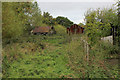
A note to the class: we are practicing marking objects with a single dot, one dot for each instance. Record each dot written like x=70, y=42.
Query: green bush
x=60, y=30
x=109, y=48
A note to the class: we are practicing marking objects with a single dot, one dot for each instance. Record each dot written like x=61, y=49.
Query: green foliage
x=98, y=23
x=81, y=24
x=118, y=30
x=17, y=18
x=64, y=21
x=96, y=67
x=48, y=19
x=36, y=18
x=60, y=29
x=23, y=12
x=111, y=49
x=35, y=62
x=12, y=27
x=56, y=57
x=20, y=18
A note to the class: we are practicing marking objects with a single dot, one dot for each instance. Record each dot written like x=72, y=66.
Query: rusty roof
x=41, y=29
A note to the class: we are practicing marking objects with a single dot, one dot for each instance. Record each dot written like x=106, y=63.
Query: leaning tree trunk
x=113, y=33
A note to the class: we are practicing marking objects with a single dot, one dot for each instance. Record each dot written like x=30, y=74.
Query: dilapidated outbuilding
x=43, y=30
x=75, y=29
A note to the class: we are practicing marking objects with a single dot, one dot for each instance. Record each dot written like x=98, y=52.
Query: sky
x=72, y=9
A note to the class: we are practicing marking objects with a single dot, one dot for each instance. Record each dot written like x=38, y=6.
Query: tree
x=48, y=19
x=25, y=11
x=16, y=18
x=110, y=16
x=64, y=21
x=11, y=23
x=118, y=27
x=99, y=22
x=36, y=16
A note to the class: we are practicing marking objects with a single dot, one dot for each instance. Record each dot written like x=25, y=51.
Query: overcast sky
x=72, y=9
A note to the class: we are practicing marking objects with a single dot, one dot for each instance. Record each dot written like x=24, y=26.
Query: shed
x=75, y=29
x=43, y=30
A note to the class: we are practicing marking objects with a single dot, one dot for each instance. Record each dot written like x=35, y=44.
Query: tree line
x=19, y=18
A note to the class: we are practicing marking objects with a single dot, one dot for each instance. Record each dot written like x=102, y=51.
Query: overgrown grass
x=58, y=56
x=96, y=67
x=36, y=56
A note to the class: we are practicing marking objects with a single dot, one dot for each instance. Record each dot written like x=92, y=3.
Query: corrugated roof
x=41, y=29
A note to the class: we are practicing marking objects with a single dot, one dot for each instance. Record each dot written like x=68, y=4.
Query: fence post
x=87, y=52
x=86, y=48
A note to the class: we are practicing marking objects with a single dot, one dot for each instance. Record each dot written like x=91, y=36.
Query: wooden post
x=87, y=52
x=86, y=46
